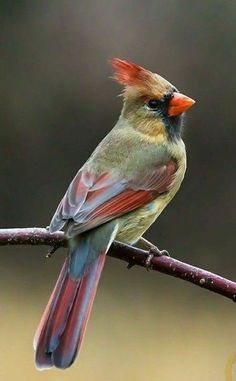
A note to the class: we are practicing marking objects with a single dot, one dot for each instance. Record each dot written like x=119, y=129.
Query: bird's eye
x=153, y=104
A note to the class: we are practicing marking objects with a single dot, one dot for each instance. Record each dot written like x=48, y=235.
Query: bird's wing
x=93, y=200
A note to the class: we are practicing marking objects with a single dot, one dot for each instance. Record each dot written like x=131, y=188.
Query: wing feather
x=93, y=200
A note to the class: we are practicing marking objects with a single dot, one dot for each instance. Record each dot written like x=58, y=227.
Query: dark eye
x=153, y=104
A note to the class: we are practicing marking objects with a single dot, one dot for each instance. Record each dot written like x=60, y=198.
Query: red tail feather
x=73, y=335
x=62, y=327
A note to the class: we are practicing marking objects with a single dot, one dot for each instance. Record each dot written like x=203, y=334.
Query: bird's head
x=151, y=104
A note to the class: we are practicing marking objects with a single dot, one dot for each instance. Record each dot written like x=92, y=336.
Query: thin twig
x=130, y=254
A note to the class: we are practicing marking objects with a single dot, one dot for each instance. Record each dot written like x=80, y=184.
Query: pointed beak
x=178, y=104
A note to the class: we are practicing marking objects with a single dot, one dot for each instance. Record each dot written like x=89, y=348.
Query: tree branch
x=130, y=254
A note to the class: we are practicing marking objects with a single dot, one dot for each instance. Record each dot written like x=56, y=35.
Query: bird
x=122, y=188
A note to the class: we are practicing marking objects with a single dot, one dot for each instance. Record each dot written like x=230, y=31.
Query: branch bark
x=130, y=254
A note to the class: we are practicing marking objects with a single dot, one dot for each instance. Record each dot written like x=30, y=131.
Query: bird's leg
x=153, y=251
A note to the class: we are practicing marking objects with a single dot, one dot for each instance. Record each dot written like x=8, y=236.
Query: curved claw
x=165, y=253
x=130, y=265
x=52, y=250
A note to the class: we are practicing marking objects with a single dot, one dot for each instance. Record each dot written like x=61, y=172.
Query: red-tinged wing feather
x=73, y=199
x=109, y=197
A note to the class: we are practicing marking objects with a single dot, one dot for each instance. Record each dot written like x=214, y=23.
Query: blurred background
x=57, y=103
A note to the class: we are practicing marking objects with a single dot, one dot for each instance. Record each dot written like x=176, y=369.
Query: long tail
x=63, y=324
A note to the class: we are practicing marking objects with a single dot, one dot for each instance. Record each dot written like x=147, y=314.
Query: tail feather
x=72, y=337
x=62, y=327
x=58, y=318
x=54, y=318
x=55, y=293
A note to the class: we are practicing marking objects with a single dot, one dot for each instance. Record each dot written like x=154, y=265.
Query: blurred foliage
x=57, y=102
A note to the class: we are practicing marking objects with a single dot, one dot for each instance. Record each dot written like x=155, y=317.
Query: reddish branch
x=132, y=255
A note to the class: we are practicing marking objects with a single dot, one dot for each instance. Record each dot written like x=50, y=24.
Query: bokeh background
x=57, y=102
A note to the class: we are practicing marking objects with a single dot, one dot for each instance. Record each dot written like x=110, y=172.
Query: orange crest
x=128, y=73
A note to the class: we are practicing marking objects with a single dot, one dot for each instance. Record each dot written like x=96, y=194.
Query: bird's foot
x=148, y=262
x=157, y=252
x=154, y=252
x=130, y=265
x=52, y=250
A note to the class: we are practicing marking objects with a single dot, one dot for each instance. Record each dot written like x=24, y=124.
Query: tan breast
x=134, y=224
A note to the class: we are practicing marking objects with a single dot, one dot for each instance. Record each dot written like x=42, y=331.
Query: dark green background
x=57, y=102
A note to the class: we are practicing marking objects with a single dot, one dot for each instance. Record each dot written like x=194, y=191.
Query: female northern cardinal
x=118, y=193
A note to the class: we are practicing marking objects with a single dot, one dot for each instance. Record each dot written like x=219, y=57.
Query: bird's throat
x=154, y=130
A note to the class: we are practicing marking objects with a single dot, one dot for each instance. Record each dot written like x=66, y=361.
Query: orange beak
x=178, y=104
